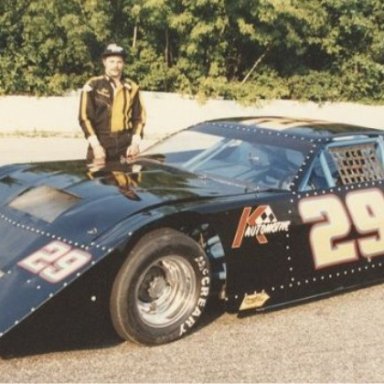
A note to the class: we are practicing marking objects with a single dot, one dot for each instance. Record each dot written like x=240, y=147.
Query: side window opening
x=317, y=178
x=358, y=163
x=347, y=164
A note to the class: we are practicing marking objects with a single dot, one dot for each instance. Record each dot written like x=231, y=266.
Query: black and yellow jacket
x=105, y=109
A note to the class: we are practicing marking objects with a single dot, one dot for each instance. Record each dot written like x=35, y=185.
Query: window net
x=358, y=163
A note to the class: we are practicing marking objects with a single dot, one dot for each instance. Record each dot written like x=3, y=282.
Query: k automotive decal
x=259, y=223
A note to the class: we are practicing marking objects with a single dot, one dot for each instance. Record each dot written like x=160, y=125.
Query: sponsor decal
x=203, y=297
x=259, y=223
x=254, y=300
x=103, y=92
x=114, y=48
x=55, y=261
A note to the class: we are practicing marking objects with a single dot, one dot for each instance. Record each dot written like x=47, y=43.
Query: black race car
x=259, y=211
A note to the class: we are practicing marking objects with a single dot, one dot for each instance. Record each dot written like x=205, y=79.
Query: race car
x=257, y=211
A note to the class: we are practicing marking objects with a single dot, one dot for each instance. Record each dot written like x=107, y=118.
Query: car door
x=255, y=230
x=257, y=236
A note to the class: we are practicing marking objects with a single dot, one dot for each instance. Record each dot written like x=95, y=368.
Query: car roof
x=306, y=128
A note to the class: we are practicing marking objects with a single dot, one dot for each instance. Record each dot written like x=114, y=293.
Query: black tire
x=161, y=289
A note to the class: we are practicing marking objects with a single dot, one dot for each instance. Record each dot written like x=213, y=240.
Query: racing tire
x=162, y=288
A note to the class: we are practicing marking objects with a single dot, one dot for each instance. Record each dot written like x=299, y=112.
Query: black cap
x=114, y=50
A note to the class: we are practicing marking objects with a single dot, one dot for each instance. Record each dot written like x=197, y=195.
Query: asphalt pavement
x=338, y=339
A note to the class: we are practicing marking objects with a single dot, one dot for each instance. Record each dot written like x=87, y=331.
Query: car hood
x=76, y=201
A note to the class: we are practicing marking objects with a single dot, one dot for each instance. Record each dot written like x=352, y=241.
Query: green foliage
x=247, y=50
x=265, y=86
x=318, y=86
x=49, y=44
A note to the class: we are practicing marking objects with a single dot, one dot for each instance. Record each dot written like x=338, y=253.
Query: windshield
x=258, y=164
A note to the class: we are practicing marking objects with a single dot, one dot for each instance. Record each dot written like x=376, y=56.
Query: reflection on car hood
x=69, y=196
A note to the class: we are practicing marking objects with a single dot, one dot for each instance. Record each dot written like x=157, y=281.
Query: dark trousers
x=114, y=144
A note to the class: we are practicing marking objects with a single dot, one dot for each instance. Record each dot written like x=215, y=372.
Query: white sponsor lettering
x=264, y=229
x=201, y=302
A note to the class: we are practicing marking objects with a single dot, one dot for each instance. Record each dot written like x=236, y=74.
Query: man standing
x=112, y=114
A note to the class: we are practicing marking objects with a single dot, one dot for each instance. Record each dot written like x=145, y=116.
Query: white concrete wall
x=170, y=112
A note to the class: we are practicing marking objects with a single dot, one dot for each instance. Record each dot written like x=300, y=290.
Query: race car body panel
x=284, y=215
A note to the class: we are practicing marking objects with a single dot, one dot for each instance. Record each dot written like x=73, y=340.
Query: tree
x=50, y=44
x=242, y=49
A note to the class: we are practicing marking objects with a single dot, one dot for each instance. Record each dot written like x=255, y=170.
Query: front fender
x=39, y=264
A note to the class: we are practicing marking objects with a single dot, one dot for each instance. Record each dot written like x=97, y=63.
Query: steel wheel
x=161, y=289
x=166, y=291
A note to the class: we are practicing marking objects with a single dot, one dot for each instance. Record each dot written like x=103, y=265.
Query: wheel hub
x=167, y=291
x=157, y=287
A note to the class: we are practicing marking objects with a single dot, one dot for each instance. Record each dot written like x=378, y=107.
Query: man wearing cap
x=112, y=114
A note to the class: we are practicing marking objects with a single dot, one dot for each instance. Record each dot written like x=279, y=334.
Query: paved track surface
x=338, y=339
